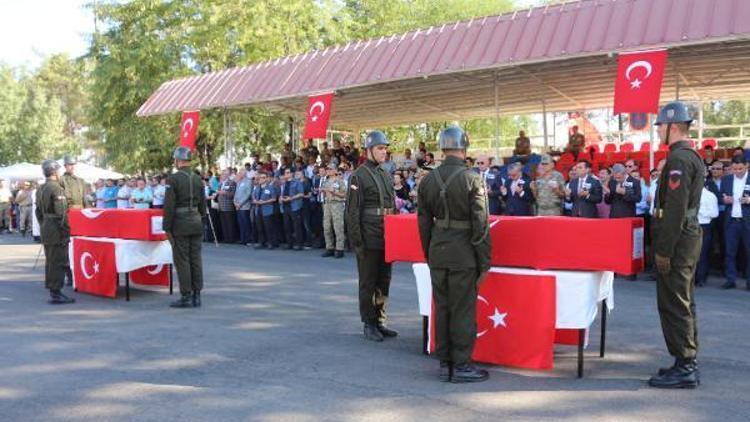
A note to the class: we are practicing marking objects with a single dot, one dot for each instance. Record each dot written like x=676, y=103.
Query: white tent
x=33, y=172
x=22, y=171
x=91, y=173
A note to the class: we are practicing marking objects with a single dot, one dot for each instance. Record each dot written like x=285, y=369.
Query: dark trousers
x=293, y=227
x=316, y=223
x=186, y=254
x=56, y=266
x=675, y=297
x=718, y=251
x=266, y=231
x=455, y=295
x=213, y=214
x=243, y=221
x=704, y=263
x=374, y=284
x=737, y=236
x=229, y=228
x=306, y=224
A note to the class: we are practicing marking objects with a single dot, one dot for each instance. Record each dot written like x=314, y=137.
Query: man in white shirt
x=707, y=212
x=123, y=195
x=735, y=193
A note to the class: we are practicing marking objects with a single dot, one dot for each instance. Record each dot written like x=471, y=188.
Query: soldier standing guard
x=454, y=230
x=334, y=190
x=51, y=212
x=370, y=198
x=75, y=187
x=184, y=209
x=677, y=244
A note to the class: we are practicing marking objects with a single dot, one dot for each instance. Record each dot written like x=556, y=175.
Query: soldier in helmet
x=51, y=212
x=369, y=199
x=184, y=209
x=677, y=244
x=454, y=229
x=75, y=187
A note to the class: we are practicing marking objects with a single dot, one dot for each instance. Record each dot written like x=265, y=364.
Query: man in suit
x=713, y=184
x=517, y=192
x=492, y=184
x=622, y=193
x=735, y=193
x=585, y=192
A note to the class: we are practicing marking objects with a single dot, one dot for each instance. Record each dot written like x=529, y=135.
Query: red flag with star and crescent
x=639, y=80
x=189, y=128
x=153, y=275
x=318, y=114
x=94, y=267
x=516, y=317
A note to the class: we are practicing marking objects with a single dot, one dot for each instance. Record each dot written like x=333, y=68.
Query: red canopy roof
x=577, y=30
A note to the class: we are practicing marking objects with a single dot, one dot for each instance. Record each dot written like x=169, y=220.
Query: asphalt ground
x=279, y=338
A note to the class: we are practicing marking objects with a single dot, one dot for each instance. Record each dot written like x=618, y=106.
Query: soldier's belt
x=378, y=211
x=453, y=224
x=690, y=213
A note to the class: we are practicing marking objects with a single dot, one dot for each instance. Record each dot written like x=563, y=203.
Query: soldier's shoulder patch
x=675, y=177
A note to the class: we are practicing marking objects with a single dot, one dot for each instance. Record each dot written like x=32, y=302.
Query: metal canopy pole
x=651, y=140
x=544, y=123
x=497, y=119
x=226, y=138
x=700, y=123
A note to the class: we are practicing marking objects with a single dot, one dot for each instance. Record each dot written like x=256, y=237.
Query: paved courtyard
x=278, y=338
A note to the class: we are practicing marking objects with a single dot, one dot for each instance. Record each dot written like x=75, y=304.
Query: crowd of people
x=298, y=201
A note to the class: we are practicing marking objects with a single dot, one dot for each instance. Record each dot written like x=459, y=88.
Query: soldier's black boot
x=387, y=332
x=729, y=285
x=663, y=371
x=186, y=301
x=328, y=253
x=339, y=254
x=468, y=373
x=57, y=298
x=372, y=333
x=197, y=299
x=683, y=375
x=445, y=370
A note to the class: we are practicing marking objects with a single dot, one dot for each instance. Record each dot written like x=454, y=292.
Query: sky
x=32, y=29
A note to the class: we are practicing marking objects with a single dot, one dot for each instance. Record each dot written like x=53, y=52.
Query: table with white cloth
x=131, y=255
x=578, y=295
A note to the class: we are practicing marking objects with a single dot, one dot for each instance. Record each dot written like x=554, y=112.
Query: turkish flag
x=154, y=275
x=639, y=79
x=516, y=317
x=189, y=128
x=94, y=267
x=318, y=114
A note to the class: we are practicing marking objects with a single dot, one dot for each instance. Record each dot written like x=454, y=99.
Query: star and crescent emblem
x=84, y=257
x=317, y=105
x=635, y=83
x=187, y=127
x=497, y=318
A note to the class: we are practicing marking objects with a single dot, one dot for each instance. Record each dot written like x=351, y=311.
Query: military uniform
x=75, y=190
x=677, y=236
x=549, y=192
x=454, y=233
x=333, y=215
x=51, y=212
x=370, y=197
x=184, y=209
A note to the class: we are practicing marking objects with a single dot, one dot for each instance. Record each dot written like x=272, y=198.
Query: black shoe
x=468, y=373
x=289, y=247
x=700, y=283
x=445, y=371
x=186, y=301
x=328, y=253
x=683, y=375
x=339, y=254
x=57, y=298
x=372, y=333
x=259, y=246
x=298, y=248
x=196, y=299
x=729, y=285
x=387, y=332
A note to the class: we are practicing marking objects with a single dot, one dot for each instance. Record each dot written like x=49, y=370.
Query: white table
x=133, y=254
x=578, y=296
